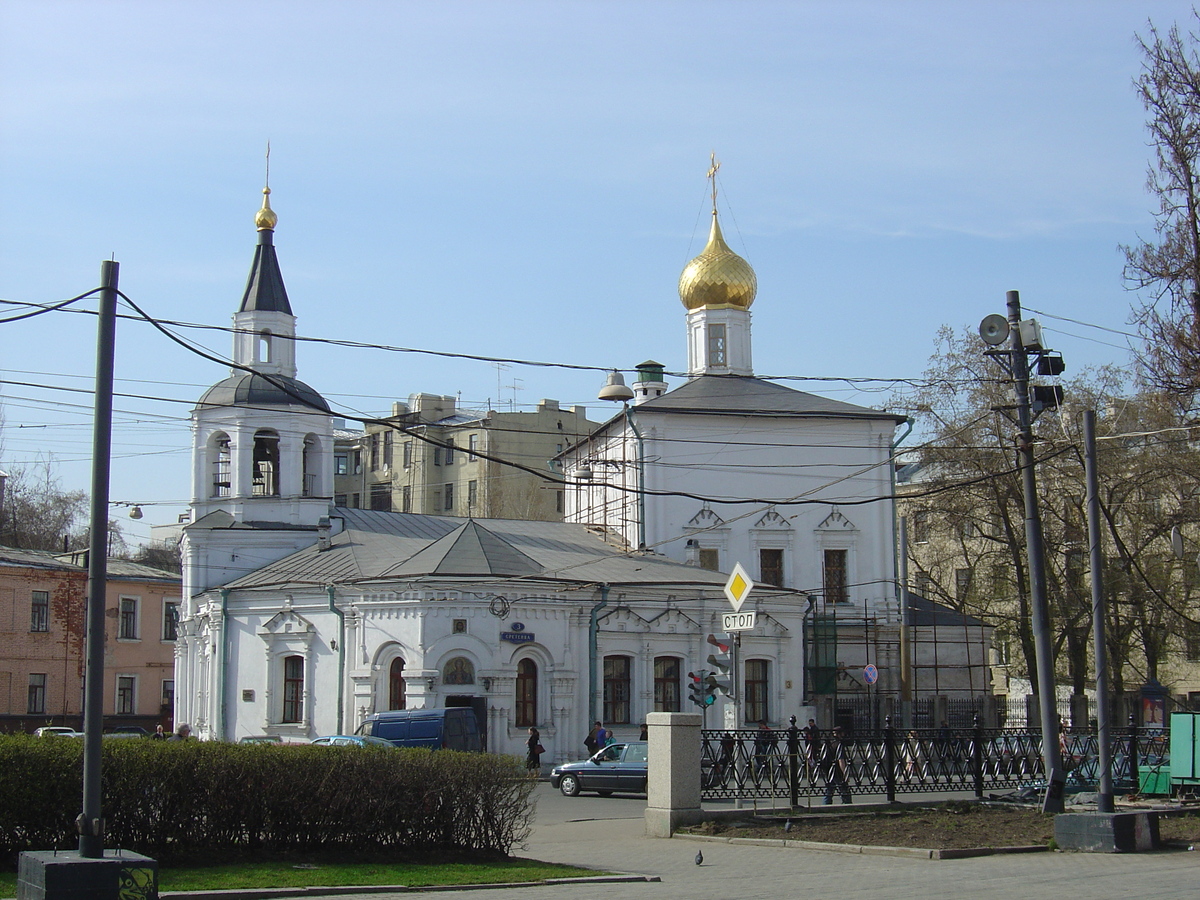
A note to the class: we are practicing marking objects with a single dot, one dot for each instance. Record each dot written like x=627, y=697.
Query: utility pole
x=1035, y=550
x=1024, y=338
x=1104, y=802
x=90, y=822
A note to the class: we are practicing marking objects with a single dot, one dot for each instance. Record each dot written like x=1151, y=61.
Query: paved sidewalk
x=762, y=873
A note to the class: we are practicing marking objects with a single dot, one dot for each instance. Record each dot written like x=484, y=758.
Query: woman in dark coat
x=533, y=761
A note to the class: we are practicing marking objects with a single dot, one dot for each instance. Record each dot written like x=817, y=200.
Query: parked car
x=126, y=731
x=451, y=728
x=353, y=740
x=260, y=739
x=57, y=730
x=617, y=768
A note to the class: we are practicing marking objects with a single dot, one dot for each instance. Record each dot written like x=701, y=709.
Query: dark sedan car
x=617, y=768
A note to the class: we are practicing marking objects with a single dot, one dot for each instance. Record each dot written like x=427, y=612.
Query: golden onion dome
x=718, y=277
x=265, y=218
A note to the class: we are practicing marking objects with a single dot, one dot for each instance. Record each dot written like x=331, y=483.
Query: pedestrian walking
x=837, y=767
x=764, y=749
x=812, y=748
x=533, y=760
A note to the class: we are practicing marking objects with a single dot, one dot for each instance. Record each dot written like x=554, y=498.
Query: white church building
x=299, y=619
x=728, y=468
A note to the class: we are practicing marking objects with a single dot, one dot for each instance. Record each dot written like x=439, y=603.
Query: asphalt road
x=607, y=833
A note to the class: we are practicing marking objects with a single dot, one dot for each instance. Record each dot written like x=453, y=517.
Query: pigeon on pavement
x=699, y=857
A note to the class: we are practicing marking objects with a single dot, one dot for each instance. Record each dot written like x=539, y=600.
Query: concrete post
x=673, y=789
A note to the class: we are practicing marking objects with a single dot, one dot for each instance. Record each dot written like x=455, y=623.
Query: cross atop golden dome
x=718, y=277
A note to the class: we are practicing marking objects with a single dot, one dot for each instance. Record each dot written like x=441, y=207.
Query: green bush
x=171, y=798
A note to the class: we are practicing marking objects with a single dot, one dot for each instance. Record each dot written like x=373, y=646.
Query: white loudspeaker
x=994, y=329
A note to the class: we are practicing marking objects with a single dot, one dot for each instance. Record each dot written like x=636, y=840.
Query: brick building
x=42, y=600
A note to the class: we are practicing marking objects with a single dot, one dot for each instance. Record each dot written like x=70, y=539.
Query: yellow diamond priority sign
x=738, y=587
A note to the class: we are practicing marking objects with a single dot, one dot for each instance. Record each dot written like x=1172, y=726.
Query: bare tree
x=971, y=555
x=1168, y=267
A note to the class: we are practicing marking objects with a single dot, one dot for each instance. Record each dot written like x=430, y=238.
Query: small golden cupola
x=265, y=219
x=718, y=278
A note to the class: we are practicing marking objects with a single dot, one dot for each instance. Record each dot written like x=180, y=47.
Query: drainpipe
x=594, y=652
x=341, y=652
x=641, y=477
x=222, y=666
x=806, y=648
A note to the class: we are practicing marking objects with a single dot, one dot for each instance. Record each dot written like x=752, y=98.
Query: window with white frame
x=756, y=690
x=397, y=698
x=265, y=481
x=527, y=678
x=716, y=344
x=222, y=465
x=666, y=684
x=127, y=619
x=835, y=580
x=770, y=566
x=449, y=495
x=293, y=689
x=126, y=695
x=617, y=685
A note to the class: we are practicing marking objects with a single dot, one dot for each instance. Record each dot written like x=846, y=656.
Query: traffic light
x=698, y=689
x=720, y=659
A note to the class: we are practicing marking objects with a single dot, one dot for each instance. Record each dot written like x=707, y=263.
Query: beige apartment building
x=434, y=458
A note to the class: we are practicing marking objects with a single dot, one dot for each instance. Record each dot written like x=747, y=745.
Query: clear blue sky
x=527, y=180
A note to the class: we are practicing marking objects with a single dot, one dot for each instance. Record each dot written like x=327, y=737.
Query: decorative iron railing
x=785, y=763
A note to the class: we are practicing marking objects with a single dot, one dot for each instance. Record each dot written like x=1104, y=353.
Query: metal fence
x=767, y=764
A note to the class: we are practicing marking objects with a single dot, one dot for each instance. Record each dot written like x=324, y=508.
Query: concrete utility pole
x=1104, y=801
x=1034, y=548
x=90, y=822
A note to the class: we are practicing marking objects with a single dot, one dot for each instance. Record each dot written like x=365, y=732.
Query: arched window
x=311, y=455
x=527, y=692
x=459, y=671
x=666, y=684
x=293, y=689
x=266, y=464
x=396, y=699
x=755, y=703
x=264, y=347
x=222, y=465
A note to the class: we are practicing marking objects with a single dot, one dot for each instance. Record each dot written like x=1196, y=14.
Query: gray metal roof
x=254, y=389
x=35, y=559
x=381, y=546
x=748, y=396
x=469, y=550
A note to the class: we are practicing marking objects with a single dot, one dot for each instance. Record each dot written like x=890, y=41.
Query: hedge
x=165, y=797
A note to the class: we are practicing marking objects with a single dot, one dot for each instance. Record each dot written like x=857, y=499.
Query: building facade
x=42, y=605
x=433, y=458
